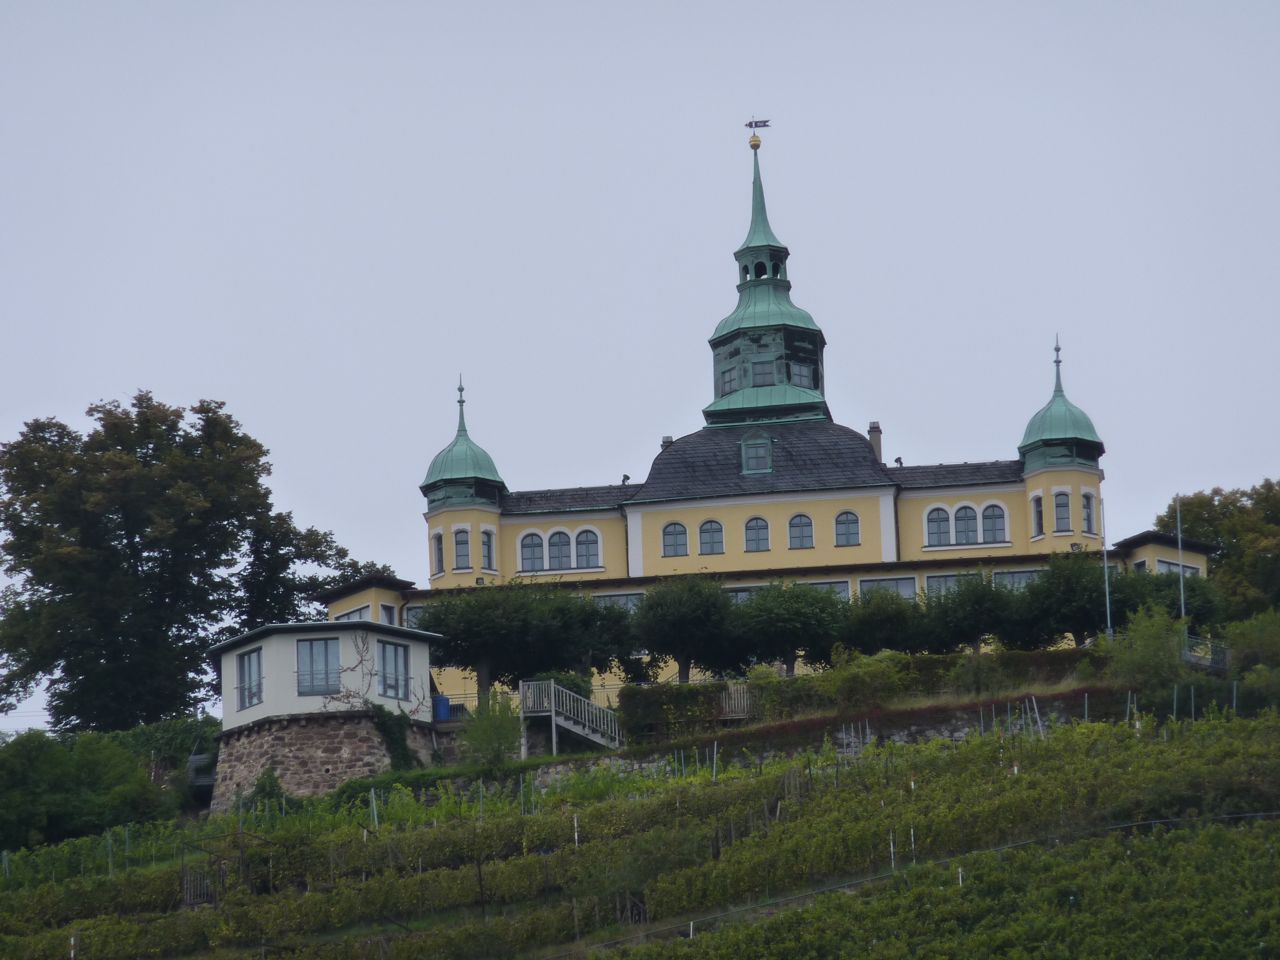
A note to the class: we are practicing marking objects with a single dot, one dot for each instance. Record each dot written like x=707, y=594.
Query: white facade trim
x=719, y=503
x=932, y=493
x=888, y=527
x=635, y=544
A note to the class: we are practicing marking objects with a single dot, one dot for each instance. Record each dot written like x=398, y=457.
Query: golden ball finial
x=754, y=141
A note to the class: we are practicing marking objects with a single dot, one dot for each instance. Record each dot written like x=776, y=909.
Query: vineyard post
x=373, y=807
x=893, y=860
x=715, y=756
x=1233, y=695
x=1175, y=701
x=1193, y=701
x=1128, y=700
x=960, y=872
x=913, y=843
x=1086, y=706
x=575, y=830
x=111, y=867
x=981, y=731
x=4, y=858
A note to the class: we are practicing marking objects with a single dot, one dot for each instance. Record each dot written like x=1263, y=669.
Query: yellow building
x=771, y=488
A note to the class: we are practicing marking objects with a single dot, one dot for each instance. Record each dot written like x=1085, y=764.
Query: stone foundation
x=311, y=754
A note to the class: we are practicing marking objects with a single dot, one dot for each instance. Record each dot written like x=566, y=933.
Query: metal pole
x=1182, y=572
x=524, y=730
x=1106, y=568
x=1175, y=701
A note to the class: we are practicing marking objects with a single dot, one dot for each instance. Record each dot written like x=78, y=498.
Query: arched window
x=1086, y=513
x=966, y=525
x=437, y=552
x=993, y=525
x=847, y=534
x=711, y=537
x=486, y=550
x=777, y=269
x=1062, y=513
x=939, y=527
x=757, y=535
x=1037, y=516
x=588, y=549
x=461, y=550
x=531, y=552
x=675, y=540
x=746, y=272
x=558, y=551
x=800, y=532
x=761, y=269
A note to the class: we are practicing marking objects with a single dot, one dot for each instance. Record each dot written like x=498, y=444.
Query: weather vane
x=754, y=124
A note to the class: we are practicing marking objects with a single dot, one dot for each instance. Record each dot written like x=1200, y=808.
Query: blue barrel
x=440, y=709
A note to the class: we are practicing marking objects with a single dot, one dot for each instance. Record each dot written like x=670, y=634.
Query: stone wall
x=311, y=754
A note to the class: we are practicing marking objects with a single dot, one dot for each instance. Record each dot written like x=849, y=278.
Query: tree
x=133, y=545
x=778, y=621
x=689, y=620
x=1067, y=598
x=973, y=610
x=1243, y=526
x=510, y=632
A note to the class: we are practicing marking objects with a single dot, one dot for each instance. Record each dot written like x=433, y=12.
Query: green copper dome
x=1059, y=421
x=463, y=459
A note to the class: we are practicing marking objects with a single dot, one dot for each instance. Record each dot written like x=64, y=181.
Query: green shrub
x=1254, y=641
x=1148, y=656
x=668, y=710
x=491, y=735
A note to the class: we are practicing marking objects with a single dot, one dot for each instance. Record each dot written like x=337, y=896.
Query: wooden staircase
x=568, y=711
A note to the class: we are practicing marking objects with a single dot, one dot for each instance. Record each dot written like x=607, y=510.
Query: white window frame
x=249, y=683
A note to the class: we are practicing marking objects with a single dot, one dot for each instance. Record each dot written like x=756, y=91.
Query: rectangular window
x=1037, y=516
x=486, y=550
x=839, y=587
x=1061, y=513
x=461, y=550
x=946, y=582
x=740, y=594
x=388, y=611
x=437, y=553
x=1168, y=566
x=411, y=615
x=1014, y=579
x=360, y=613
x=1086, y=512
x=802, y=375
x=393, y=670
x=628, y=601
x=249, y=679
x=762, y=373
x=1140, y=566
x=902, y=586
x=318, y=667
x=756, y=456
x=728, y=381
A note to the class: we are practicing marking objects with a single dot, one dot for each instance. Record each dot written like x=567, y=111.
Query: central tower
x=767, y=354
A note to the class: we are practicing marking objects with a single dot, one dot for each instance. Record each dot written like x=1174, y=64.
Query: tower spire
x=760, y=234
x=462, y=420
x=1057, y=368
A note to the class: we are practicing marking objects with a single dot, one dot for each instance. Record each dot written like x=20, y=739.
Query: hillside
x=505, y=867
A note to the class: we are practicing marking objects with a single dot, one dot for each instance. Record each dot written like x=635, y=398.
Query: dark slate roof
x=1129, y=544
x=568, y=499
x=957, y=474
x=807, y=455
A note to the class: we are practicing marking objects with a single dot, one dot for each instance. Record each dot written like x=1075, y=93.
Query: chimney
x=666, y=442
x=873, y=434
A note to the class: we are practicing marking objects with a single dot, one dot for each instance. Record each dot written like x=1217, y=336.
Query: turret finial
x=462, y=423
x=1057, y=365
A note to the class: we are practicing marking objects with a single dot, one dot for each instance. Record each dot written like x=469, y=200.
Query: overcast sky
x=323, y=213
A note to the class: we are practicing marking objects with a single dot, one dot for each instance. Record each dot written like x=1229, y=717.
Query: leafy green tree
x=133, y=545
x=1130, y=592
x=779, y=621
x=1243, y=526
x=51, y=789
x=690, y=620
x=1068, y=598
x=972, y=611
x=884, y=620
x=510, y=632
x=1254, y=642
